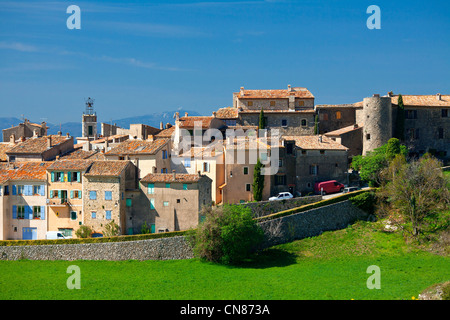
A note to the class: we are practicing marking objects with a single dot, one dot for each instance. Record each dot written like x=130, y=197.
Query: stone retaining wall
x=297, y=226
x=264, y=208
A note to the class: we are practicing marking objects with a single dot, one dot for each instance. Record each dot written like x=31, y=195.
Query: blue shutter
x=42, y=190
x=69, y=176
x=78, y=176
x=53, y=177
x=59, y=194
x=14, y=189
x=79, y=194
x=42, y=212
x=108, y=214
x=14, y=211
x=29, y=210
x=28, y=190
x=71, y=194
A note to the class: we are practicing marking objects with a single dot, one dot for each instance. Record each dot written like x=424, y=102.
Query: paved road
x=328, y=196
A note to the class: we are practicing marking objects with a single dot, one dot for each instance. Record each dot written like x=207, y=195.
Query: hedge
x=314, y=205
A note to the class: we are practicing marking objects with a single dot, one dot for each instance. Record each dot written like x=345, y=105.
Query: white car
x=282, y=196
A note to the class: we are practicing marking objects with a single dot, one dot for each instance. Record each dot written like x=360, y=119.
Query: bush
x=112, y=229
x=228, y=235
x=365, y=201
x=84, y=232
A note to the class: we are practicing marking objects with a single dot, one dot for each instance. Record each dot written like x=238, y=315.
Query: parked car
x=53, y=235
x=327, y=187
x=282, y=196
x=351, y=189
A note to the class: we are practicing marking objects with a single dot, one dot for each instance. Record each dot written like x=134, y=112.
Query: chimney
x=355, y=126
x=174, y=175
x=390, y=94
x=150, y=137
x=35, y=133
x=161, y=125
x=12, y=139
x=68, y=135
x=376, y=95
x=57, y=158
x=438, y=96
x=199, y=173
x=185, y=114
x=289, y=88
x=214, y=114
x=59, y=133
x=22, y=138
x=177, y=116
x=242, y=91
x=49, y=142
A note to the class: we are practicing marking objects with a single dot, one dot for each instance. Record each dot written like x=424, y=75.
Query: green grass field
x=330, y=266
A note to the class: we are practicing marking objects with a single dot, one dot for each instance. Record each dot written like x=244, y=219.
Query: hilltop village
x=160, y=178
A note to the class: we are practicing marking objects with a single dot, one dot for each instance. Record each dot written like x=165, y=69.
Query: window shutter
x=71, y=194
x=53, y=177
x=69, y=176
x=42, y=190
x=29, y=210
x=28, y=190
x=42, y=212
x=59, y=194
x=14, y=189
x=79, y=194
x=78, y=176
x=152, y=203
x=14, y=211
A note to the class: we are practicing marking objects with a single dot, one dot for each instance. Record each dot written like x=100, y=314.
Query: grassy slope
x=330, y=266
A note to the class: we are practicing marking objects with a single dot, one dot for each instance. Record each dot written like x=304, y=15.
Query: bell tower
x=89, y=121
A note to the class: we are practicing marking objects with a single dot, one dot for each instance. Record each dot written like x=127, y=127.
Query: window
x=338, y=115
x=151, y=188
x=58, y=176
x=20, y=190
x=187, y=162
x=440, y=133
x=413, y=133
x=37, y=190
x=93, y=195
x=303, y=151
x=74, y=176
x=167, y=185
x=280, y=163
x=129, y=202
x=314, y=170
x=250, y=103
x=90, y=130
x=166, y=203
x=163, y=170
x=411, y=114
x=108, y=195
x=164, y=154
x=152, y=203
x=272, y=103
x=263, y=156
x=6, y=191
x=73, y=215
x=304, y=123
x=205, y=167
x=178, y=200
x=75, y=194
x=20, y=212
x=245, y=170
x=93, y=215
x=108, y=214
x=36, y=212
x=322, y=151
x=284, y=123
x=301, y=103
x=280, y=180
x=185, y=186
x=247, y=187
x=368, y=136
x=444, y=113
x=54, y=194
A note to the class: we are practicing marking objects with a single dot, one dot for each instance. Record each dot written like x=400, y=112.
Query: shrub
x=84, y=232
x=365, y=201
x=112, y=229
x=228, y=235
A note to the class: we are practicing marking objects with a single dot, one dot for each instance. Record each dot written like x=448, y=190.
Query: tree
x=418, y=192
x=262, y=120
x=228, y=235
x=258, y=181
x=111, y=229
x=83, y=232
x=400, y=121
x=371, y=165
x=316, y=124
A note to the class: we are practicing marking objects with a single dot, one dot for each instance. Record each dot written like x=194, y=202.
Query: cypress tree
x=316, y=124
x=400, y=121
x=262, y=120
x=258, y=182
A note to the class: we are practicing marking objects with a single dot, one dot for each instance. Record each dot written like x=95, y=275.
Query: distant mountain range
x=74, y=128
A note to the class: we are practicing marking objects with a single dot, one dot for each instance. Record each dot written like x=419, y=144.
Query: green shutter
x=78, y=176
x=53, y=177
x=71, y=194
x=79, y=194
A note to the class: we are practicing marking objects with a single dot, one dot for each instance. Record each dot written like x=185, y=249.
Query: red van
x=327, y=187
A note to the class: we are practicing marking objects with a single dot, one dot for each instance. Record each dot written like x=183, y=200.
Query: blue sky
x=140, y=57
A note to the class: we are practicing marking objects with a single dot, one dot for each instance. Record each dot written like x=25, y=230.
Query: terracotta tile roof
x=423, y=100
x=297, y=92
x=168, y=177
x=138, y=147
x=341, y=131
x=78, y=154
x=70, y=165
x=97, y=156
x=4, y=147
x=248, y=144
x=328, y=106
x=190, y=122
x=30, y=170
x=203, y=152
x=166, y=133
x=110, y=138
x=36, y=145
x=107, y=168
x=310, y=110
x=227, y=113
x=313, y=143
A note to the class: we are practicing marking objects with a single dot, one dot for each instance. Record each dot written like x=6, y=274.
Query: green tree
x=262, y=120
x=400, y=121
x=371, y=165
x=84, y=232
x=258, y=181
x=111, y=229
x=316, y=124
x=228, y=235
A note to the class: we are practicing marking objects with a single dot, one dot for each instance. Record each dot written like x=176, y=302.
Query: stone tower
x=89, y=121
x=377, y=118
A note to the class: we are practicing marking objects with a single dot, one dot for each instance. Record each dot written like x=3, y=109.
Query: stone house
x=65, y=195
x=45, y=148
x=105, y=188
x=149, y=156
x=25, y=129
x=316, y=158
x=23, y=196
x=173, y=201
x=350, y=137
